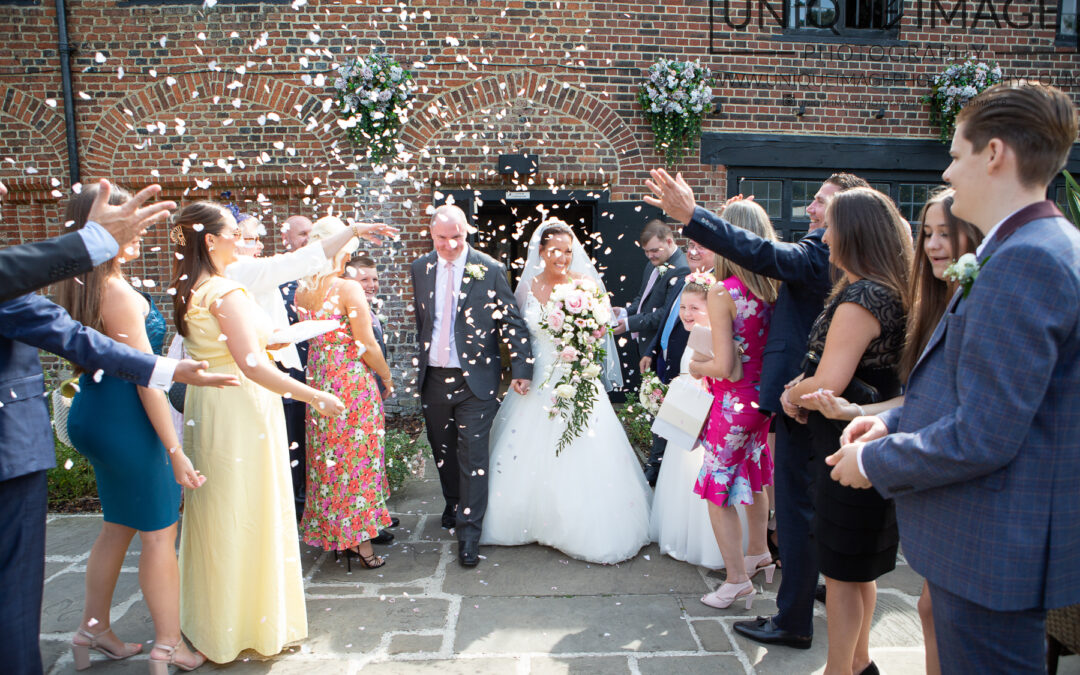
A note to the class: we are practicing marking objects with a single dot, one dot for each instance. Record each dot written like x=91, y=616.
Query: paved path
x=522, y=610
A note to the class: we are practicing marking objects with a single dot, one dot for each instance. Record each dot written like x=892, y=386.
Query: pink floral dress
x=738, y=461
x=346, y=470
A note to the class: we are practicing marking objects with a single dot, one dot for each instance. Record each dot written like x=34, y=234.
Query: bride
x=591, y=500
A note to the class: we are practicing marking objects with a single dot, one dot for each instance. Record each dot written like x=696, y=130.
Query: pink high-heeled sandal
x=161, y=666
x=754, y=565
x=82, y=652
x=727, y=594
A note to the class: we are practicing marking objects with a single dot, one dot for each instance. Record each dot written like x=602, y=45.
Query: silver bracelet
x=862, y=413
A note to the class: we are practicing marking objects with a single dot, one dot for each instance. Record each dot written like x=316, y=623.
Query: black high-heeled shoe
x=370, y=562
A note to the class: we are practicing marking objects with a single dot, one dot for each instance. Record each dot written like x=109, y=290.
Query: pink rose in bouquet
x=555, y=319
x=568, y=354
x=575, y=302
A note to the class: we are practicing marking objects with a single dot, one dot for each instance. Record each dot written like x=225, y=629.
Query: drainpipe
x=69, y=103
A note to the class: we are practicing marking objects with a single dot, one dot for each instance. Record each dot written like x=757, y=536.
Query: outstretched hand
x=864, y=430
x=183, y=471
x=845, y=464
x=673, y=195
x=194, y=373
x=374, y=232
x=126, y=221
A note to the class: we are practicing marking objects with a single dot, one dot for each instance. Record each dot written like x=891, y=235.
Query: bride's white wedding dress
x=591, y=501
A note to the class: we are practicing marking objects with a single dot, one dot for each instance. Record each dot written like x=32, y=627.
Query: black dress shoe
x=383, y=538
x=764, y=630
x=469, y=553
x=449, y=516
x=652, y=473
x=819, y=593
x=394, y=522
x=870, y=670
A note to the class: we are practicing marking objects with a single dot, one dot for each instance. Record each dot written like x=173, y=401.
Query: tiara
x=176, y=235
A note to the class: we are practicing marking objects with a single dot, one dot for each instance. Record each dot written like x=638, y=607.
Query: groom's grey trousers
x=458, y=424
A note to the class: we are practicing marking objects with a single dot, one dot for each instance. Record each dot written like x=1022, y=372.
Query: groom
x=464, y=306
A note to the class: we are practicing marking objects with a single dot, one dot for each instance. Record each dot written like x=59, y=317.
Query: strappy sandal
x=161, y=666
x=370, y=562
x=82, y=652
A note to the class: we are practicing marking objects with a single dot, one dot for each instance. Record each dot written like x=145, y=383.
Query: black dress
x=856, y=531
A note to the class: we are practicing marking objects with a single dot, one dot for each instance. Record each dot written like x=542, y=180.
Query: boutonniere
x=664, y=268
x=964, y=271
x=476, y=271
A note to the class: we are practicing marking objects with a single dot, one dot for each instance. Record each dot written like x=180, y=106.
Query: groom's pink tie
x=449, y=309
x=648, y=287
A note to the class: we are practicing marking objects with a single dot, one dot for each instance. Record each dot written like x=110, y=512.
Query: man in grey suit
x=464, y=306
x=982, y=458
x=661, y=284
x=28, y=267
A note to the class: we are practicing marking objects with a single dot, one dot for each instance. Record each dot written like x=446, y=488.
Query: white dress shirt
x=442, y=313
x=263, y=278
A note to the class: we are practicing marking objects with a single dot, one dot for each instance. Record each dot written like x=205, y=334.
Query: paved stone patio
x=522, y=610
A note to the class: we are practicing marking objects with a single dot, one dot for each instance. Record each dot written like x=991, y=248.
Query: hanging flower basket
x=373, y=95
x=952, y=89
x=675, y=98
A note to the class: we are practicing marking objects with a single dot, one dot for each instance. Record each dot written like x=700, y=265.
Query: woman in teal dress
x=125, y=430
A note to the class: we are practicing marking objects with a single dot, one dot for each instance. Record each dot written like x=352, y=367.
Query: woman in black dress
x=855, y=347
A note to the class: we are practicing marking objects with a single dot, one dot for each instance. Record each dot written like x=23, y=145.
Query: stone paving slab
x=579, y=665
x=690, y=665
x=590, y=624
x=355, y=626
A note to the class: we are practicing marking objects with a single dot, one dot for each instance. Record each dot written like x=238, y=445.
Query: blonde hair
x=749, y=215
x=324, y=228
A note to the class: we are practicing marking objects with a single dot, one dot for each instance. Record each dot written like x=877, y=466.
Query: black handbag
x=859, y=391
x=177, y=392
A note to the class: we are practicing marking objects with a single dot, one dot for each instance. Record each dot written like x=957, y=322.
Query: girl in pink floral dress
x=346, y=476
x=738, y=463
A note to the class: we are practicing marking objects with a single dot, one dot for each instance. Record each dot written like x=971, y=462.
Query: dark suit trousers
x=974, y=639
x=295, y=420
x=23, y=502
x=458, y=424
x=794, y=511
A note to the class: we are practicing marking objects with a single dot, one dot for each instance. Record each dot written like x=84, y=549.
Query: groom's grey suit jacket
x=486, y=313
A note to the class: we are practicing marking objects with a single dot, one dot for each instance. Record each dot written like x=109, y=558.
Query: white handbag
x=683, y=412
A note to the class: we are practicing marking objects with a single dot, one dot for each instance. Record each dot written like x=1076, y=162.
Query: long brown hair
x=81, y=296
x=930, y=295
x=188, y=228
x=870, y=239
x=749, y=215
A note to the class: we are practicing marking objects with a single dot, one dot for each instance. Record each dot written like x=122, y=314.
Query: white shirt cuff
x=162, y=376
x=858, y=458
x=98, y=242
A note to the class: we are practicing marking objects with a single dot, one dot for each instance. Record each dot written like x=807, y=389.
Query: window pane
x=884, y=188
x=802, y=193
x=911, y=198
x=796, y=234
x=1067, y=20
x=812, y=13
x=768, y=193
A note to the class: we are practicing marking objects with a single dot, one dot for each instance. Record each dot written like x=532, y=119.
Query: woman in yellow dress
x=240, y=576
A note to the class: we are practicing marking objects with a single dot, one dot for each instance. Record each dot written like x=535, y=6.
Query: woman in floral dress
x=346, y=478
x=738, y=463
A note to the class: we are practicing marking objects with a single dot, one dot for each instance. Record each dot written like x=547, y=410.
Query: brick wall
x=229, y=97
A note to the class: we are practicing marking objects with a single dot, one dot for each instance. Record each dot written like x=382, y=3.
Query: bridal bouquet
x=576, y=317
x=651, y=392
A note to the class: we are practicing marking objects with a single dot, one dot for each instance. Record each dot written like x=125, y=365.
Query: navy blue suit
x=804, y=269
x=28, y=267
x=28, y=323
x=296, y=411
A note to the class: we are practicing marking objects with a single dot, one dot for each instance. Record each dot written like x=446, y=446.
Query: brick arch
x=44, y=123
x=269, y=93
x=440, y=112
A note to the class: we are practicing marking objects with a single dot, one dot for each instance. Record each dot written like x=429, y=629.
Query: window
x=849, y=18
x=1067, y=14
x=768, y=193
x=785, y=193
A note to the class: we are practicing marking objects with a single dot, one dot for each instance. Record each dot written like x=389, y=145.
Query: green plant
x=404, y=458
x=675, y=98
x=637, y=424
x=373, y=100
x=72, y=478
x=952, y=89
x=1072, y=199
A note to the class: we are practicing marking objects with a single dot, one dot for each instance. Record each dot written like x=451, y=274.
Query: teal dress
x=108, y=425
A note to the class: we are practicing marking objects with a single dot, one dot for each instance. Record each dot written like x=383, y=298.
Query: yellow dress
x=240, y=578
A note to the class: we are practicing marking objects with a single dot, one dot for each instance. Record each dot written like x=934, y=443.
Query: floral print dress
x=738, y=461
x=346, y=475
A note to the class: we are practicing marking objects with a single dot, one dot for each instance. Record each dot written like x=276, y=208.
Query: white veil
x=580, y=265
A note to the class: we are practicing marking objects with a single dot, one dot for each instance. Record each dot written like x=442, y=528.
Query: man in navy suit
x=29, y=267
x=804, y=269
x=983, y=458
x=28, y=323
